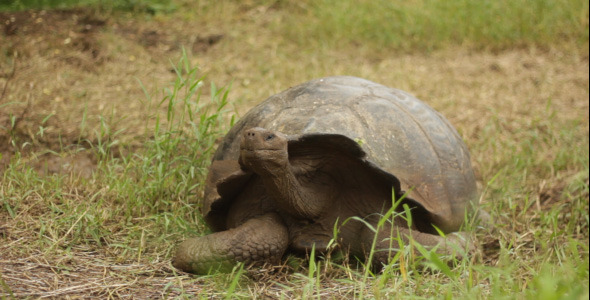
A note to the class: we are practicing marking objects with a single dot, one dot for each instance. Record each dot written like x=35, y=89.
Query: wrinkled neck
x=291, y=196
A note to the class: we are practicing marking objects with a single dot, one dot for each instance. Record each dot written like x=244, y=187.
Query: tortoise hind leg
x=258, y=240
x=389, y=238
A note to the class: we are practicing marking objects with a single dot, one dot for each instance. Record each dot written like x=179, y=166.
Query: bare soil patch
x=63, y=69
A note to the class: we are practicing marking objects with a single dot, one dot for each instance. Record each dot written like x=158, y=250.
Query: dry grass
x=80, y=226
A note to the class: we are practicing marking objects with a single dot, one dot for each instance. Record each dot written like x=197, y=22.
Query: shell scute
x=397, y=133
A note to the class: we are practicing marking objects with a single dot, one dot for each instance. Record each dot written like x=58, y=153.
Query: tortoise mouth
x=263, y=161
x=264, y=153
x=257, y=149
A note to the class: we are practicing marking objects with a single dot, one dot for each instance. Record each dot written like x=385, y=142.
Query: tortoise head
x=263, y=151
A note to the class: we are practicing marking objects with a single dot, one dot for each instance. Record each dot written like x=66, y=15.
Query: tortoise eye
x=269, y=137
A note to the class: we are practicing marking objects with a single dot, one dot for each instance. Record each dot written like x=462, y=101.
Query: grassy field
x=110, y=111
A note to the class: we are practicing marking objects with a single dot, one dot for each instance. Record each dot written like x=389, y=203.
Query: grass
x=111, y=234
x=425, y=25
x=147, y=192
x=146, y=6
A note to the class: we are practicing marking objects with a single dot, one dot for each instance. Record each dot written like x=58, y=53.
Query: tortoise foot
x=258, y=240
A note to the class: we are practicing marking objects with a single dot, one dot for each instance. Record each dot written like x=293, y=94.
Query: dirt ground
x=62, y=73
x=62, y=70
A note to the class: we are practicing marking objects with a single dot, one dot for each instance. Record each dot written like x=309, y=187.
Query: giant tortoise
x=336, y=152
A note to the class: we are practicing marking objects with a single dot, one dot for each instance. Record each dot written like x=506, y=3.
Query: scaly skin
x=286, y=212
x=389, y=238
x=261, y=239
x=265, y=153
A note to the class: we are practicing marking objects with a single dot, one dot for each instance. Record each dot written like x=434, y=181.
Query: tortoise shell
x=388, y=129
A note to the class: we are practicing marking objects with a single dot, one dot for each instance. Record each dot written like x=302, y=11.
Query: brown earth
x=63, y=72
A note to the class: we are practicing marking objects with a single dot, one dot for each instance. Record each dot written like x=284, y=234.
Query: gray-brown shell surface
x=398, y=133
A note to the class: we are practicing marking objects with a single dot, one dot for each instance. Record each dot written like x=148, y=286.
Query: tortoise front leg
x=258, y=240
